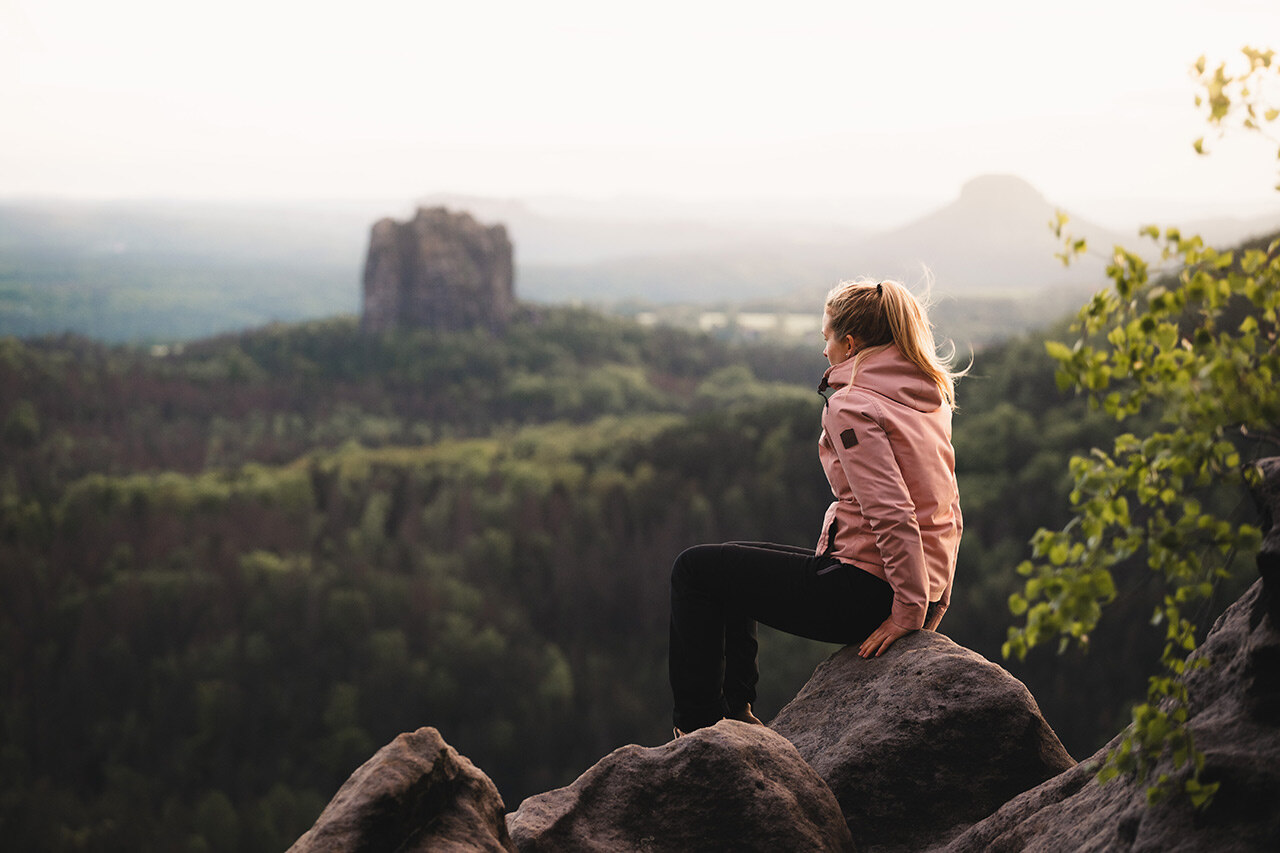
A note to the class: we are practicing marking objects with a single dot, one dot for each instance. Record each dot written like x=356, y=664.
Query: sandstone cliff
x=441, y=271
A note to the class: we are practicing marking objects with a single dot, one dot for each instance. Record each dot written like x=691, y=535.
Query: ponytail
x=878, y=313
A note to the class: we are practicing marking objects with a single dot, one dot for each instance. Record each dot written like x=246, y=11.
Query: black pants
x=719, y=592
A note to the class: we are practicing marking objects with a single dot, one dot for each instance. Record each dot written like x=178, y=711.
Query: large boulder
x=1234, y=710
x=732, y=786
x=440, y=270
x=416, y=794
x=921, y=742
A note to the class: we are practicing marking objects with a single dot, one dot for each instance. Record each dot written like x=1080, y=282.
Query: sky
x=878, y=105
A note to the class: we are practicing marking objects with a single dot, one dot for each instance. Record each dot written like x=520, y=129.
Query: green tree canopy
x=1193, y=353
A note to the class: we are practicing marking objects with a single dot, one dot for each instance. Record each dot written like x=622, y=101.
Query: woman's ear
x=851, y=343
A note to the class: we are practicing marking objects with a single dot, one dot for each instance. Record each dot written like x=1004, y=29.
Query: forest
x=231, y=570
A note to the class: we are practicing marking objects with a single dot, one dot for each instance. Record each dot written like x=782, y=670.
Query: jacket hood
x=885, y=371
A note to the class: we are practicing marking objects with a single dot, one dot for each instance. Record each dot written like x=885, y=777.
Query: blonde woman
x=886, y=556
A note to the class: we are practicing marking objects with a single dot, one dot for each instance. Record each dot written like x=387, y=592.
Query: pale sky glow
x=1090, y=100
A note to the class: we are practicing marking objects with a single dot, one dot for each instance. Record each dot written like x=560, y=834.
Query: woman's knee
x=691, y=565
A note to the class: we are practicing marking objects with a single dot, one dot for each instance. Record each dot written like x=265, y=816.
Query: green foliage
x=267, y=573
x=236, y=570
x=22, y=426
x=1198, y=349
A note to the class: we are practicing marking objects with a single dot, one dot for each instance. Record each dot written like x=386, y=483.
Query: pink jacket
x=886, y=448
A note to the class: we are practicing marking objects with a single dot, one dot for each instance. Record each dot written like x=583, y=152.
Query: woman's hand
x=882, y=638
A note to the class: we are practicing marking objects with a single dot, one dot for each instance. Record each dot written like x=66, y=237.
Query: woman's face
x=835, y=350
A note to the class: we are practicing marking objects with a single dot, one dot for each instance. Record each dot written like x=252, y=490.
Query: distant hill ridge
x=169, y=271
x=993, y=239
x=1004, y=190
x=995, y=235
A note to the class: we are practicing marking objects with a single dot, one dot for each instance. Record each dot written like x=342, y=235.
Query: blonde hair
x=882, y=312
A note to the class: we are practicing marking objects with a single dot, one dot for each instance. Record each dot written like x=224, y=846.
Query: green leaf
x=1201, y=795
x=1057, y=350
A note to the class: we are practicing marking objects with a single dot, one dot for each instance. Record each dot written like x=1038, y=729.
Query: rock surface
x=909, y=751
x=732, y=786
x=416, y=794
x=1267, y=495
x=920, y=743
x=441, y=271
x=1235, y=719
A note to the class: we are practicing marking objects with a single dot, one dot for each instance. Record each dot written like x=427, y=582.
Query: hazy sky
x=1090, y=100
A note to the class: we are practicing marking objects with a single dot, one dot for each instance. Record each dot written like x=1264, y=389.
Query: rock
x=920, y=743
x=416, y=794
x=732, y=786
x=1234, y=714
x=441, y=271
x=1267, y=495
x=1234, y=708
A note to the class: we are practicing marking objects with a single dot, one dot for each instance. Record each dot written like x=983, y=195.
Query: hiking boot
x=745, y=716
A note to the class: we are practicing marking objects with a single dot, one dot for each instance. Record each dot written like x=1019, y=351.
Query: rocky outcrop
x=1235, y=719
x=921, y=742
x=903, y=752
x=1234, y=716
x=733, y=786
x=441, y=271
x=929, y=747
x=416, y=794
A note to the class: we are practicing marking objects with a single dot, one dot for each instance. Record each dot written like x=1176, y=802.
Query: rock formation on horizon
x=441, y=271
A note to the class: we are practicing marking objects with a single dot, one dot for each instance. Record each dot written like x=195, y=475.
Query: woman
x=887, y=553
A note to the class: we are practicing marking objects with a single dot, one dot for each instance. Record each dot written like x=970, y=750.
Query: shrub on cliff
x=1198, y=346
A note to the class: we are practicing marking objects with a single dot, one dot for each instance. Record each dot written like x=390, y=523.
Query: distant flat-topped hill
x=169, y=271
